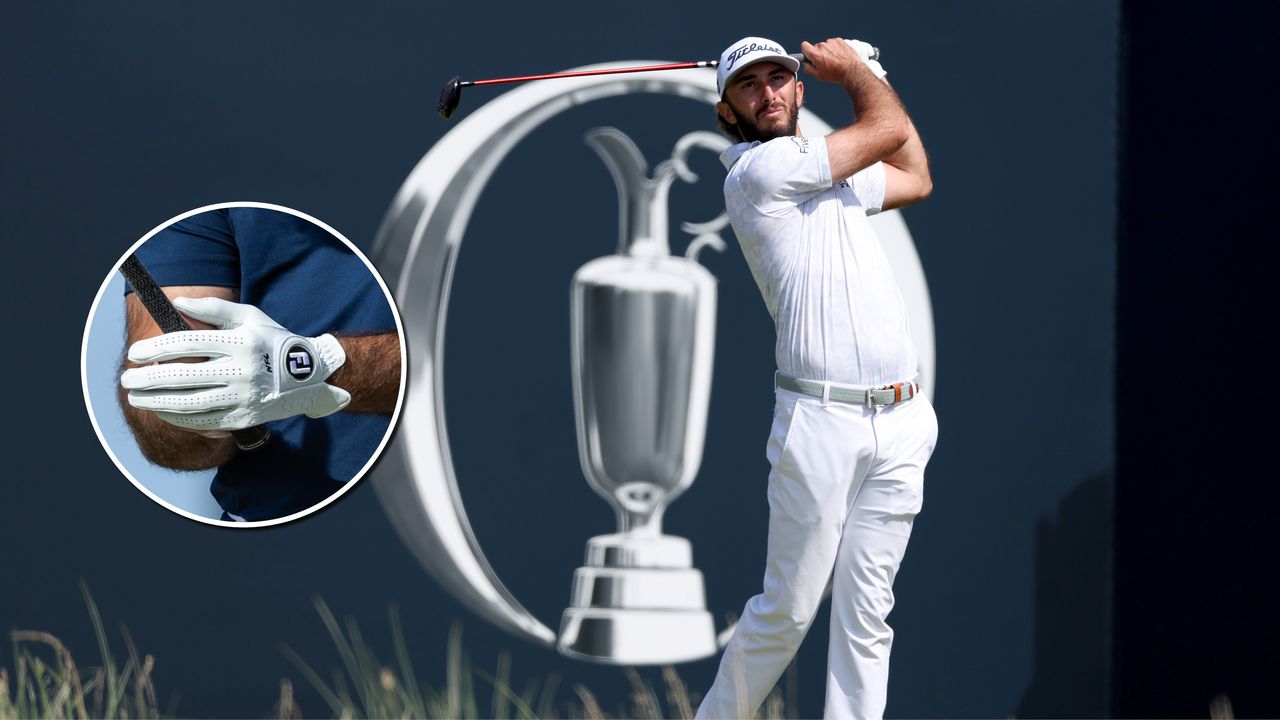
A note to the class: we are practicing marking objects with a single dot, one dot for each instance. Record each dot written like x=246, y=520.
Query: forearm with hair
x=170, y=446
x=880, y=128
x=371, y=373
x=877, y=105
x=912, y=181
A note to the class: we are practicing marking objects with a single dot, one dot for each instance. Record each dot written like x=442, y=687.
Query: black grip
x=170, y=320
x=152, y=297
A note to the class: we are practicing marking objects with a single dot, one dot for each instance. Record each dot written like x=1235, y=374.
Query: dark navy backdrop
x=118, y=117
x=1196, y=541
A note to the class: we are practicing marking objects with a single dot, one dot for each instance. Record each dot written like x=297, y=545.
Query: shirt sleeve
x=784, y=172
x=198, y=250
x=868, y=186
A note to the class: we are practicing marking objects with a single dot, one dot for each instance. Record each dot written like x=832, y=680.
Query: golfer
x=851, y=432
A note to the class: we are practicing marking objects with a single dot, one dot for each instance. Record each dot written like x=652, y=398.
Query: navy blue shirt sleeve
x=200, y=250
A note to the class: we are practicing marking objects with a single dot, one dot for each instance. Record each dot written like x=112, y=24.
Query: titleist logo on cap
x=750, y=48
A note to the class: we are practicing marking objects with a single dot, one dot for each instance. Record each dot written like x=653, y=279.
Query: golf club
x=452, y=91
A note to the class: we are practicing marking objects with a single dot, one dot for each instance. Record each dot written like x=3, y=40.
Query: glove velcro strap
x=330, y=351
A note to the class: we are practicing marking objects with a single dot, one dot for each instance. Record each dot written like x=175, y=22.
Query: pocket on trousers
x=800, y=486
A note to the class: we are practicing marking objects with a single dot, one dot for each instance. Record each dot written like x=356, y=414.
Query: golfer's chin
x=774, y=125
x=770, y=131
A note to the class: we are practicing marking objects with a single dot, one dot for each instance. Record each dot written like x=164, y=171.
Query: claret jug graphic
x=643, y=331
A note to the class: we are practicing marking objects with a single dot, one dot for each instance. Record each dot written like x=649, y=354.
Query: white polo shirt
x=824, y=277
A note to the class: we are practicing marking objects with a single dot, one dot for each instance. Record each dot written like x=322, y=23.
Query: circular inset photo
x=243, y=364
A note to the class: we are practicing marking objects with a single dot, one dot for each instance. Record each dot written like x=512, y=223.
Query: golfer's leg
x=871, y=550
x=809, y=472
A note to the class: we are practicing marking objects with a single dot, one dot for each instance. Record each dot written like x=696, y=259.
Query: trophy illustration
x=642, y=343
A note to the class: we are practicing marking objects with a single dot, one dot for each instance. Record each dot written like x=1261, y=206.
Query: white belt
x=875, y=397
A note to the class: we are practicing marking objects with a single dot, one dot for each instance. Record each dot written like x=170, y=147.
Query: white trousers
x=846, y=484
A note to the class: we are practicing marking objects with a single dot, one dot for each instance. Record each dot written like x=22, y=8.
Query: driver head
x=450, y=94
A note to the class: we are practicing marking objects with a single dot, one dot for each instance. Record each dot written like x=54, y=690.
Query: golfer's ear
x=726, y=112
x=799, y=93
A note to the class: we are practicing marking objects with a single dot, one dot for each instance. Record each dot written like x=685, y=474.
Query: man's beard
x=751, y=132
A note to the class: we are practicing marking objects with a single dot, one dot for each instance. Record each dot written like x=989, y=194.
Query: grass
x=367, y=688
x=47, y=683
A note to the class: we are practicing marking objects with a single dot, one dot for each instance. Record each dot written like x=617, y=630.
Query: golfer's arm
x=879, y=131
x=164, y=444
x=906, y=172
x=371, y=373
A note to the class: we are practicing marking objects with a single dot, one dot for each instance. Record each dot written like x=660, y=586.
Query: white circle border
x=347, y=486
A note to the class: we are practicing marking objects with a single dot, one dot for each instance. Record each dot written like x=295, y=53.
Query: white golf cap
x=749, y=51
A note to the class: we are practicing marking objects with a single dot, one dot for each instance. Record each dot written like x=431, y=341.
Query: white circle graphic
x=94, y=410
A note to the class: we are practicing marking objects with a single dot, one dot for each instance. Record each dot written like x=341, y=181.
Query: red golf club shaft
x=451, y=93
x=582, y=73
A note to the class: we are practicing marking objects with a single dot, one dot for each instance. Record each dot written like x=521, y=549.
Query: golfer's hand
x=254, y=370
x=867, y=52
x=830, y=60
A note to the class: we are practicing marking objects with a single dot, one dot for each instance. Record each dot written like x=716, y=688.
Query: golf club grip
x=170, y=320
x=875, y=55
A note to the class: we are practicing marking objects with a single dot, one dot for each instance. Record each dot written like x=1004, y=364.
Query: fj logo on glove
x=300, y=365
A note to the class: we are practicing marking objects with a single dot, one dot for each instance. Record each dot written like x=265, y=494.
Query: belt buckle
x=898, y=394
x=872, y=404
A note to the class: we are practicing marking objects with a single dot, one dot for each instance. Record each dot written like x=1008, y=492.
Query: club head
x=450, y=94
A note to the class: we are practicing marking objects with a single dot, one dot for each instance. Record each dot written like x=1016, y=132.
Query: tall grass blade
x=345, y=652
x=1220, y=708
x=413, y=696
x=364, y=675
x=590, y=706
x=454, y=672
x=286, y=708
x=546, y=706
x=793, y=689
x=104, y=650
x=503, y=694
x=40, y=684
x=330, y=697
x=773, y=706
x=66, y=668
x=645, y=700
x=498, y=704
x=677, y=694
x=99, y=691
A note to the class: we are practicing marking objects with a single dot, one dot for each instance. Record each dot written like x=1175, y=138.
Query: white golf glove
x=256, y=371
x=867, y=52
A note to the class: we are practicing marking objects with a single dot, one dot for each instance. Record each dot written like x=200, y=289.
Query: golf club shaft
x=451, y=94
x=585, y=73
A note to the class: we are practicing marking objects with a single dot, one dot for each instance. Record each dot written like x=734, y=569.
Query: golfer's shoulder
x=766, y=170
x=748, y=163
x=779, y=157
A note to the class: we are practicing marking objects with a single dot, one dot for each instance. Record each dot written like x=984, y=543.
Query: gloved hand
x=868, y=53
x=256, y=371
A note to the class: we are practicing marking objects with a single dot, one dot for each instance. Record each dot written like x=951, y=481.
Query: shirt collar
x=733, y=152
